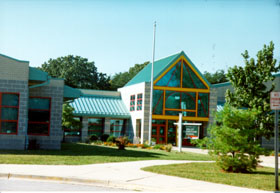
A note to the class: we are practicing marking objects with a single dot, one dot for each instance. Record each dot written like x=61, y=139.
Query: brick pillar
x=84, y=131
x=107, y=126
x=212, y=108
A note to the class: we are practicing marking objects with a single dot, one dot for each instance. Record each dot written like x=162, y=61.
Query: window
x=203, y=105
x=9, y=108
x=95, y=126
x=132, y=103
x=139, y=102
x=138, y=127
x=117, y=127
x=39, y=116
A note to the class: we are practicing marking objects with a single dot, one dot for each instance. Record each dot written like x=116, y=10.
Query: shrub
x=104, y=137
x=157, y=146
x=121, y=142
x=232, y=141
x=145, y=146
x=98, y=142
x=93, y=137
x=168, y=147
x=111, y=139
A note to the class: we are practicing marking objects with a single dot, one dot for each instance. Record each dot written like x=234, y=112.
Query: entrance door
x=158, y=132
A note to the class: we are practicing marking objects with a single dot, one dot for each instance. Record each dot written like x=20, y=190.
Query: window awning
x=100, y=106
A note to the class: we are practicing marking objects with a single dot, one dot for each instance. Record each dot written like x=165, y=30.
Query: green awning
x=100, y=106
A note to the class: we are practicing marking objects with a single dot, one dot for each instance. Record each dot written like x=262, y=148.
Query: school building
x=179, y=87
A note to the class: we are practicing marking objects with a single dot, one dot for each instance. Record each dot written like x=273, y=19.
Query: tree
x=250, y=90
x=77, y=72
x=68, y=121
x=218, y=77
x=231, y=141
x=121, y=78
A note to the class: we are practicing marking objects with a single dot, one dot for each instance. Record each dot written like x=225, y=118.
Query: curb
x=101, y=183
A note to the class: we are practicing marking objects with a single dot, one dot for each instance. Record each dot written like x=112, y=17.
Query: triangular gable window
x=172, y=78
x=190, y=79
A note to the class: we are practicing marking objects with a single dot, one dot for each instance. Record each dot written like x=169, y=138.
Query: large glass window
x=172, y=78
x=190, y=79
x=157, y=102
x=132, y=103
x=203, y=105
x=180, y=100
x=9, y=107
x=139, y=102
x=95, y=126
x=39, y=116
x=117, y=127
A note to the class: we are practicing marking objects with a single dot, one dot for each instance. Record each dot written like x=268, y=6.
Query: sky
x=116, y=34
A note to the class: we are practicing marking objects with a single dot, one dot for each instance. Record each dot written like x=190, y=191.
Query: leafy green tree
x=218, y=77
x=68, y=121
x=250, y=90
x=231, y=141
x=121, y=78
x=77, y=72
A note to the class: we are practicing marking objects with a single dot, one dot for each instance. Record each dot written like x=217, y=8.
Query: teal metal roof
x=159, y=67
x=36, y=74
x=98, y=106
x=70, y=92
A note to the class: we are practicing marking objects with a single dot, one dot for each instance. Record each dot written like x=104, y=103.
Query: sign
x=192, y=131
x=275, y=100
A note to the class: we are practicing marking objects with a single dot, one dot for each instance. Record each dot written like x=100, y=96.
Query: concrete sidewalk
x=127, y=175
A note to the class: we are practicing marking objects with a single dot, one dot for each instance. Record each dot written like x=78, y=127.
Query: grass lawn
x=262, y=178
x=79, y=154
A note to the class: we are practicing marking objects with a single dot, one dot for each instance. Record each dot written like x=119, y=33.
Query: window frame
x=138, y=102
x=132, y=103
x=5, y=106
x=123, y=129
x=102, y=124
x=38, y=122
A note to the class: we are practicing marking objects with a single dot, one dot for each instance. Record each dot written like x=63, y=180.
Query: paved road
x=37, y=185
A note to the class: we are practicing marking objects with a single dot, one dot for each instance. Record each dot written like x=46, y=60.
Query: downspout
x=33, y=86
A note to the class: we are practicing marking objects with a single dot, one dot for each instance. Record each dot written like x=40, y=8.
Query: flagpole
x=152, y=87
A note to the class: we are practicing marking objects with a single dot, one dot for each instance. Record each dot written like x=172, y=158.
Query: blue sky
x=116, y=34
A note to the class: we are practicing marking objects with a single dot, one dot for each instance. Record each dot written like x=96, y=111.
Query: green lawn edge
x=82, y=154
x=262, y=179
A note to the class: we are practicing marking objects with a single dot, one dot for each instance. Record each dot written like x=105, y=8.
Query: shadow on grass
x=72, y=149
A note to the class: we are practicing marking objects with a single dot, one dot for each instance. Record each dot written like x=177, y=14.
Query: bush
x=111, y=139
x=168, y=147
x=104, y=137
x=232, y=140
x=93, y=137
x=121, y=142
x=157, y=146
x=145, y=146
x=98, y=142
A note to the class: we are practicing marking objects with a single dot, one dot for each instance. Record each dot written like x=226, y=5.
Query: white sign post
x=275, y=105
x=179, y=130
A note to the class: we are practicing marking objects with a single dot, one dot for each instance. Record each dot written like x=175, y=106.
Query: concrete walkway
x=127, y=175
